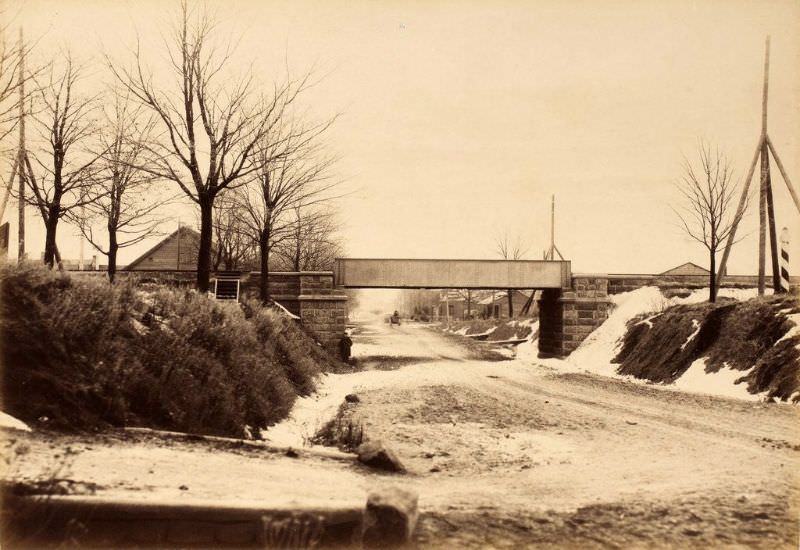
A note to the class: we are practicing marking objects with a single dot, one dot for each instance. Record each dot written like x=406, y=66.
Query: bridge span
x=443, y=274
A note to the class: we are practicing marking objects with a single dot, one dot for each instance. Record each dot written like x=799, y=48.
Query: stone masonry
x=568, y=316
x=312, y=296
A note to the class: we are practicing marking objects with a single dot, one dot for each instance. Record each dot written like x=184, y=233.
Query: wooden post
x=773, y=240
x=762, y=220
x=784, y=175
x=762, y=193
x=9, y=186
x=21, y=152
x=552, y=227
x=739, y=212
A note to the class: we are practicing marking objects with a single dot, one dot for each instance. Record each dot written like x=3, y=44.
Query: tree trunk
x=263, y=245
x=510, y=305
x=113, y=247
x=712, y=278
x=204, y=253
x=50, y=236
x=297, y=248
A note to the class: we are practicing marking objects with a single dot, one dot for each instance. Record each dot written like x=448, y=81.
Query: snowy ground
x=500, y=450
x=503, y=454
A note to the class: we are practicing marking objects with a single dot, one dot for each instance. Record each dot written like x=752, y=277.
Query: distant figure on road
x=395, y=318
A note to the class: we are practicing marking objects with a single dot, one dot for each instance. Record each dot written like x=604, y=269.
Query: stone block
x=378, y=455
x=390, y=518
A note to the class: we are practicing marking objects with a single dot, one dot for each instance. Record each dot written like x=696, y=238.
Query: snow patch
x=722, y=382
x=8, y=421
x=696, y=327
x=285, y=311
x=648, y=321
x=793, y=331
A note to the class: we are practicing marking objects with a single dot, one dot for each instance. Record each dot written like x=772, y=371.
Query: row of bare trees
x=239, y=150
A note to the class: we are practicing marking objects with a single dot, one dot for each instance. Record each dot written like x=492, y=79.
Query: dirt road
x=511, y=454
x=503, y=454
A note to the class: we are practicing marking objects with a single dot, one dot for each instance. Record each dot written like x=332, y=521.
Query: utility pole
x=551, y=254
x=21, y=154
x=552, y=226
x=762, y=192
x=766, y=209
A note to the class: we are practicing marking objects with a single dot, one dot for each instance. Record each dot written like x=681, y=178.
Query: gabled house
x=495, y=305
x=176, y=252
x=688, y=269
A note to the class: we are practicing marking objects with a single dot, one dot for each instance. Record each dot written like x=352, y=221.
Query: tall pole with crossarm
x=764, y=148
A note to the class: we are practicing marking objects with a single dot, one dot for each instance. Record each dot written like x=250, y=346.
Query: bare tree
x=212, y=122
x=125, y=203
x=291, y=171
x=706, y=213
x=234, y=247
x=62, y=175
x=312, y=243
x=510, y=250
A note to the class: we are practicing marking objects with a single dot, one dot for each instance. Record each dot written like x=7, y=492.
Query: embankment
x=81, y=354
x=753, y=343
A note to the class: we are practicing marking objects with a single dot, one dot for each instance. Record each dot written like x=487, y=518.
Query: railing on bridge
x=489, y=274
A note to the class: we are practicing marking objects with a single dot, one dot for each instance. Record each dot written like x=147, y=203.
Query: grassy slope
x=739, y=335
x=86, y=354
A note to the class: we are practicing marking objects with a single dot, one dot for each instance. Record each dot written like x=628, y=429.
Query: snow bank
x=602, y=345
x=722, y=382
x=8, y=421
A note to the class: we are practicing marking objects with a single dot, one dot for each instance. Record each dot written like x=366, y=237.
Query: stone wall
x=568, y=316
x=325, y=318
x=312, y=296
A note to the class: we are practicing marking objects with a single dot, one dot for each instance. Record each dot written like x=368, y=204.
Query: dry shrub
x=86, y=353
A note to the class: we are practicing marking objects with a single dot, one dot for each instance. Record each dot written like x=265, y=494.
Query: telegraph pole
x=21, y=155
x=766, y=210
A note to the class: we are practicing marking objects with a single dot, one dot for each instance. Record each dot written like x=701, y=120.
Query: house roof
x=501, y=296
x=684, y=268
x=183, y=230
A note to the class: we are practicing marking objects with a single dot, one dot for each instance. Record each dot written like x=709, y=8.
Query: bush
x=85, y=353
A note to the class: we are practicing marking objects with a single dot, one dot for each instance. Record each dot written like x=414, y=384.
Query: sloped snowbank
x=602, y=345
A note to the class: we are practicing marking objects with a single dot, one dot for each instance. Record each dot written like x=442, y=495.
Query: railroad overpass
x=472, y=274
x=569, y=307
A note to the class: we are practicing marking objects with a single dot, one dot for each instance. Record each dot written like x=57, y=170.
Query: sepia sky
x=458, y=120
